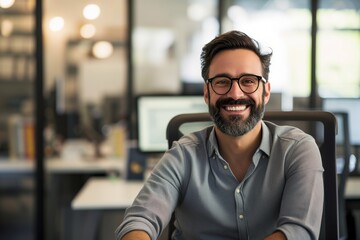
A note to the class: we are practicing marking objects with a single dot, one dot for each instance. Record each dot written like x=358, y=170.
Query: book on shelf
x=21, y=137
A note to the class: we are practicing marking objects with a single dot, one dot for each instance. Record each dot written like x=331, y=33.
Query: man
x=243, y=178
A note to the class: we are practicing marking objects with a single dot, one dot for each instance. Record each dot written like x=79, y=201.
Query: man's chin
x=230, y=117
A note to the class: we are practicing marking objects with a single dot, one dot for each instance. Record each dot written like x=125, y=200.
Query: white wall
x=110, y=24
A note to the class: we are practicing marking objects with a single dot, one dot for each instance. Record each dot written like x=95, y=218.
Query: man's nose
x=235, y=90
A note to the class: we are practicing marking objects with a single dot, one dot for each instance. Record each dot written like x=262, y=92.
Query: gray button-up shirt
x=282, y=190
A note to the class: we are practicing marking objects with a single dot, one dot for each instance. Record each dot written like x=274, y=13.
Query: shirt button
x=225, y=167
x=238, y=190
x=241, y=216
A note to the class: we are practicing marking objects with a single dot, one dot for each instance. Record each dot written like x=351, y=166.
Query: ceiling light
x=91, y=11
x=102, y=49
x=87, y=30
x=6, y=3
x=56, y=24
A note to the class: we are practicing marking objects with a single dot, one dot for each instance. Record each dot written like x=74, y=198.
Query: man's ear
x=206, y=94
x=267, y=88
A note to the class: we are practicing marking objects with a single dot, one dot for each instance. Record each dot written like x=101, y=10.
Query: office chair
x=330, y=220
x=344, y=142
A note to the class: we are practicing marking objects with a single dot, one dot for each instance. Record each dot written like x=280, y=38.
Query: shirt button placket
x=241, y=215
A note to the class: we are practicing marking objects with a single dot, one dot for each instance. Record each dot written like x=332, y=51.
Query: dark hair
x=233, y=40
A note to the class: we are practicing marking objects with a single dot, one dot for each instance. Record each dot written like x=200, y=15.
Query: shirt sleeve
x=152, y=209
x=303, y=196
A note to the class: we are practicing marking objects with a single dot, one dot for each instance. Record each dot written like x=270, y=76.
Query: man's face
x=236, y=112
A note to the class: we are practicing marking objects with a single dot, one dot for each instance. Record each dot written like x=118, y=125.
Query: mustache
x=231, y=101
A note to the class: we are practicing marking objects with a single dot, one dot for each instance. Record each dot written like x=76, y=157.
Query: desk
x=64, y=179
x=103, y=193
x=95, y=197
x=352, y=190
x=58, y=166
x=8, y=166
x=102, y=165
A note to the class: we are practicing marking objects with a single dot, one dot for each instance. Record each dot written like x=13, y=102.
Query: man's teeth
x=236, y=108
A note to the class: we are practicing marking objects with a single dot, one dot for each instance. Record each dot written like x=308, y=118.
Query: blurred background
x=91, y=62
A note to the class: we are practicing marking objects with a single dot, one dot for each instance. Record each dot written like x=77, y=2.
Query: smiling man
x=242, y=178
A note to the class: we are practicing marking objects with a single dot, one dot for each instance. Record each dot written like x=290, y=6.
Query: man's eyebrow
x=222, y=75
x=229, y=76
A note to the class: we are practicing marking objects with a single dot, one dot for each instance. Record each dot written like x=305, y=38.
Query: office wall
x=110, y=24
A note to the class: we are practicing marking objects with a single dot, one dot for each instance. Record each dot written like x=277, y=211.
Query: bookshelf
x=17, y=64
x=17, y=74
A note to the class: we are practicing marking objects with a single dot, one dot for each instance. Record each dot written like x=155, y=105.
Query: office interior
x=74, y=75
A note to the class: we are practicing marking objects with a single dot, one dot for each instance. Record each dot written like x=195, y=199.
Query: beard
x=237, y=126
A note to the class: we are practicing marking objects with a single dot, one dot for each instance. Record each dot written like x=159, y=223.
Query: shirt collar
x=266, y=141
x=212, y=145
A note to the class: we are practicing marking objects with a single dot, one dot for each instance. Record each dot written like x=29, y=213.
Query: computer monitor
x=155, y=112
x=350, y=106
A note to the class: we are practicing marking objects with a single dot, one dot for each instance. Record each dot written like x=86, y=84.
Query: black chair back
x=321, y=125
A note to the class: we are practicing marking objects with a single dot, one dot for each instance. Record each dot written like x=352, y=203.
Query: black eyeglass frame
x=209, y=80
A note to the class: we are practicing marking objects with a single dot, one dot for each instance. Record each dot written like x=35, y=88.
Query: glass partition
x=284, y=26
x=17, y=123
x=85, y=82
x=167, y=39
x=338, y=53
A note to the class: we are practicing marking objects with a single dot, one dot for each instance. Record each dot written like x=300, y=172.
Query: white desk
x=12, y=166
x=352, y=190
x=85, y=166
x=101, y=193
x=59, y=166
x=96, y=196
x=105, y=193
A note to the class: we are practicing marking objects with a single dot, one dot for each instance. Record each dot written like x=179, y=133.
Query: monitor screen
x=352, y=107
x=155, y=112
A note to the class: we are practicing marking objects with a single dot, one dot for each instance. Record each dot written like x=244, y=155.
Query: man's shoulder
x=196, y=137
x=287, y=132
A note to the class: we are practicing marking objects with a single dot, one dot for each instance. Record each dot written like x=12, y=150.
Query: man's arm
x=136, y=235
x=277, y=235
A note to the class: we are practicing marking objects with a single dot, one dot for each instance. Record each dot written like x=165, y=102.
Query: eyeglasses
x=248, y=83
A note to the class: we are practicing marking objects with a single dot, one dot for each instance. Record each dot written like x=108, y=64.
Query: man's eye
x=248, y=81
x=222, y=82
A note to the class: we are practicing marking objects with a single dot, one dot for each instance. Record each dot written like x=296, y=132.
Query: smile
x=236, y=108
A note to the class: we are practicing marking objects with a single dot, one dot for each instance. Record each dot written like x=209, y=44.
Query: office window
x=167, y=39
x=285, y=27
x=338, y=51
